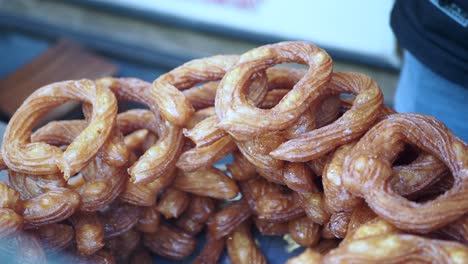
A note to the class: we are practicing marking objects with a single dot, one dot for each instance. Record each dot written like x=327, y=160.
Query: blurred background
x=43, y=41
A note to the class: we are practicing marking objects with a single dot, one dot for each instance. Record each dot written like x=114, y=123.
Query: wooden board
x=63, y=61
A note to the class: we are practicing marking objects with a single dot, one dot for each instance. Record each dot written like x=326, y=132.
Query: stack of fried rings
x=345, y=177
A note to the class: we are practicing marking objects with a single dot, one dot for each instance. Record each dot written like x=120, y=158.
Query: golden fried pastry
x=10, y=222
x=346, y=177
x=244, y=121
x=309, y=256
x=270, y=228
x=201, y=157
x=51, y=207
x=41, y=158
x=62, y=133
x=101, y=184
x=354, y=122
x=173, y=104
x=211, y=251
x=417, y=176
x=242, y=248
x=210, y=182
x=367, y=170
x=55, y=237
x=226, y=220
x=304, y=231
x=457, y=231
x=241, y=169
x=337, y=226
x=396, y=248
x=173, y=202
x=118, y=218
x=202, y=96
x=160, y=158
x=89, y=232
x=194, y=219
x=297, y=177
x=337, y=198
x=170, y=242
x=122, y=246
x=269, y=202
x=257, y=150
x=149, y=220
x=313, y=204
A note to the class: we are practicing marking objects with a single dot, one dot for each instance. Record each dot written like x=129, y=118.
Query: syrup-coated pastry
x=194, y=219
x=269, y=202
x=173, y=202
x=161, y=157
x=241, y=169
x=243, y=120
x=89, y=232
x=149, y=221
x=202, y=157
x=101, y=183
x=172, y=102
x=211, y=251
x=395, y=248
x=241, y=247
x=367, y=170
x=354, y=122
x=226, y=220
x=344, y=176
x=170, y=242
x=55, y=237
x=304, y=231
x=41, y=158
x=209, y=182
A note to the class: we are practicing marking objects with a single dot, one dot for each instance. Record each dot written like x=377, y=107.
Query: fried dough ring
x=128, y=122
x=42, y=159
x=89, y=232
x=350, y=126
x=243, y=120
x=170, y=242
x=411, y=179
x=160, y=158
x=241, y=247
x=40, y=209
x=396, y=248
x=30, y=186
x=114, y=151
x=199, y=211
x=241, y=169
x=10, y=221
x=202, y=157
x=173, y=104
x=257, y=150
x=103, y=183
x=202, y=96
x=213, y=142
x=225, y=221
x=337, y=198
x=209, y=182
x=408, y=179
x=367, y=171
x=268, y=202
x=457, y=231
x=211, y=251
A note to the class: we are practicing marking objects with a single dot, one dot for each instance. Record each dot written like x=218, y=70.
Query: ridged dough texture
x=316, y=158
